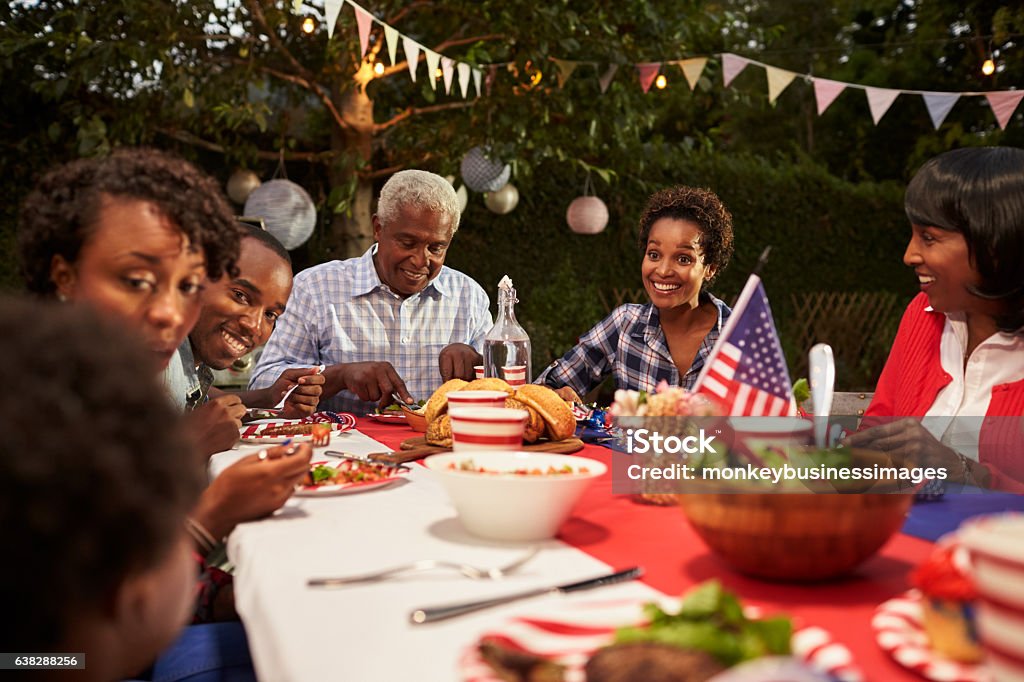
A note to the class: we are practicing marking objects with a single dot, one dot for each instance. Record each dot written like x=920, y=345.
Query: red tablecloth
x=622, y=533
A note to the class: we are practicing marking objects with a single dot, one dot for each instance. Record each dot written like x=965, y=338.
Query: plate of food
x=901, y=631
x=347, y=476
x=297, y=430
x=708, y=632
x=393, y=413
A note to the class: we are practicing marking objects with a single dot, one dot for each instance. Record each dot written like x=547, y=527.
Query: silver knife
x=429, y=614
x=363, y=460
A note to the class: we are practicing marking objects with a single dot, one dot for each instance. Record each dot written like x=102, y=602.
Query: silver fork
x=319, y=370
x=474, y=572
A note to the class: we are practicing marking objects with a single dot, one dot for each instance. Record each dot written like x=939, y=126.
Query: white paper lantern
x=286, y=209
x=241, y=184
x=587, y=215
x=482, y=174
x=502, y=201
x=463, y=196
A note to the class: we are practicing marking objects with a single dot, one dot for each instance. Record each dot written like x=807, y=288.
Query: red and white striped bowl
x=514, y=375
x=996, y=544
x=487, y=428
x=476, y=399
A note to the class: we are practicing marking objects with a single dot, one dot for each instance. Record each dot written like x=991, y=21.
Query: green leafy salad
x=711, y=619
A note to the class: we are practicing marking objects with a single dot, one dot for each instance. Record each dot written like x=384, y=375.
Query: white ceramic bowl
x=509, y=506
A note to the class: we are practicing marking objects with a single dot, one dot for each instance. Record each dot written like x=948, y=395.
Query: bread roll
x=556, y=412
x=438, y=402
x=439, y=432
x=488, y=384
x=534, y=425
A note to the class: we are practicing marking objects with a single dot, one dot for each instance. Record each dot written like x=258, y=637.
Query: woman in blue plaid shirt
x=686, y=240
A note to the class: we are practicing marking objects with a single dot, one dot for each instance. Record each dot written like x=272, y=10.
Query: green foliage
x=825, y=234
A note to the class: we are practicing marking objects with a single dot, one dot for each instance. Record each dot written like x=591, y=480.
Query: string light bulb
x=536, y=77
x=308, y=25
x=378, y=68
x=988, y=67
x=438, y=73
x=660, y=82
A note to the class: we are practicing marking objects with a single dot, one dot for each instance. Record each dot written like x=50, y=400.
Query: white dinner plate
x=346, y=488
x=387, y=417
x=570, y=634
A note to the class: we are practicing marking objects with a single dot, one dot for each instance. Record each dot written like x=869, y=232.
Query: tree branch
x=454, y=42
x=312, y=87
x=411, y=7
x=195, y=141
x=416, y=111
x=275, y=41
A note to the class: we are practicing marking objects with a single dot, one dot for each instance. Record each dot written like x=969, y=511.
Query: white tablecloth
x=362, y=633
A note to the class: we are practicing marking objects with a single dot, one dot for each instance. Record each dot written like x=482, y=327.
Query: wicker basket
x=798, y=536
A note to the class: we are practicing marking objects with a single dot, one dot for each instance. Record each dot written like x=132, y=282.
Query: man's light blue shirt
x=341, y=312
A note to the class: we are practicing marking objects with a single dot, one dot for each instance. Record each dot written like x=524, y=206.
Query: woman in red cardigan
x=952, y=391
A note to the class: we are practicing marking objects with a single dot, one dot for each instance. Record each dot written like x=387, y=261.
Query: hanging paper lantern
x=502, y=201
x=587, y=215
x=286, y=209
x=241, y=184
x=482, y=174
x=461, y=194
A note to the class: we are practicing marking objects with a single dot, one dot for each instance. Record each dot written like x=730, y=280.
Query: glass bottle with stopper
x=507, y=345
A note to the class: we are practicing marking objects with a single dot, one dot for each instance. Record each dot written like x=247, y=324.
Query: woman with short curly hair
x=686, y=240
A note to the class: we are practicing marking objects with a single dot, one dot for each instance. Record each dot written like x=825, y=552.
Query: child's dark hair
x=96, y=475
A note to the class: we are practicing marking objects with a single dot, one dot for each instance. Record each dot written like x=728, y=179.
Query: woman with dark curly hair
x=95, y=490
x=686, y=239
x=951, y=394
x=135, y=233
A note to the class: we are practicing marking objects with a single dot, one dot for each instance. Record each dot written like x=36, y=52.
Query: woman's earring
x=61, y=297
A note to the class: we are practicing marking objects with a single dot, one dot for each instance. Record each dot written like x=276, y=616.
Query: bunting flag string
x=939, y=104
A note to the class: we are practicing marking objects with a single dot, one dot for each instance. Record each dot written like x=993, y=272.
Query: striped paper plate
x=571, y=634
x=253, y=433
x=899, y=631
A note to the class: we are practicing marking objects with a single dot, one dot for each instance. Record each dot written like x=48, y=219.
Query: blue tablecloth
x=930, y=520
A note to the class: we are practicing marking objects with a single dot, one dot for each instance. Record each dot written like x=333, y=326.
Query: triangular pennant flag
x=879, y=101
x=826, y=91
x=412, y=55
x=1003, y=104
x=606, y=78
x=432, y=59
x=647, y=73
x=565, y=69
x=476, y=81
x=939, y=105
x=463, y=69
x=332, y=8
x=364, y=21
x=778, y=80
x=448, y=71
x=692, y=69
x=391, y=38
x=296, y=6
x=732, y=64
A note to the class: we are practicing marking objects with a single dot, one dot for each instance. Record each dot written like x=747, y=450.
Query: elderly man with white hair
x=394, y=320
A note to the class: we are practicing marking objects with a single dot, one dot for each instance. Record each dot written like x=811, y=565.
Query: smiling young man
x=394, y=320
x=237, y=315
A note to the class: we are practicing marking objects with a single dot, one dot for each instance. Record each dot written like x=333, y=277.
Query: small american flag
x=746, y=371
